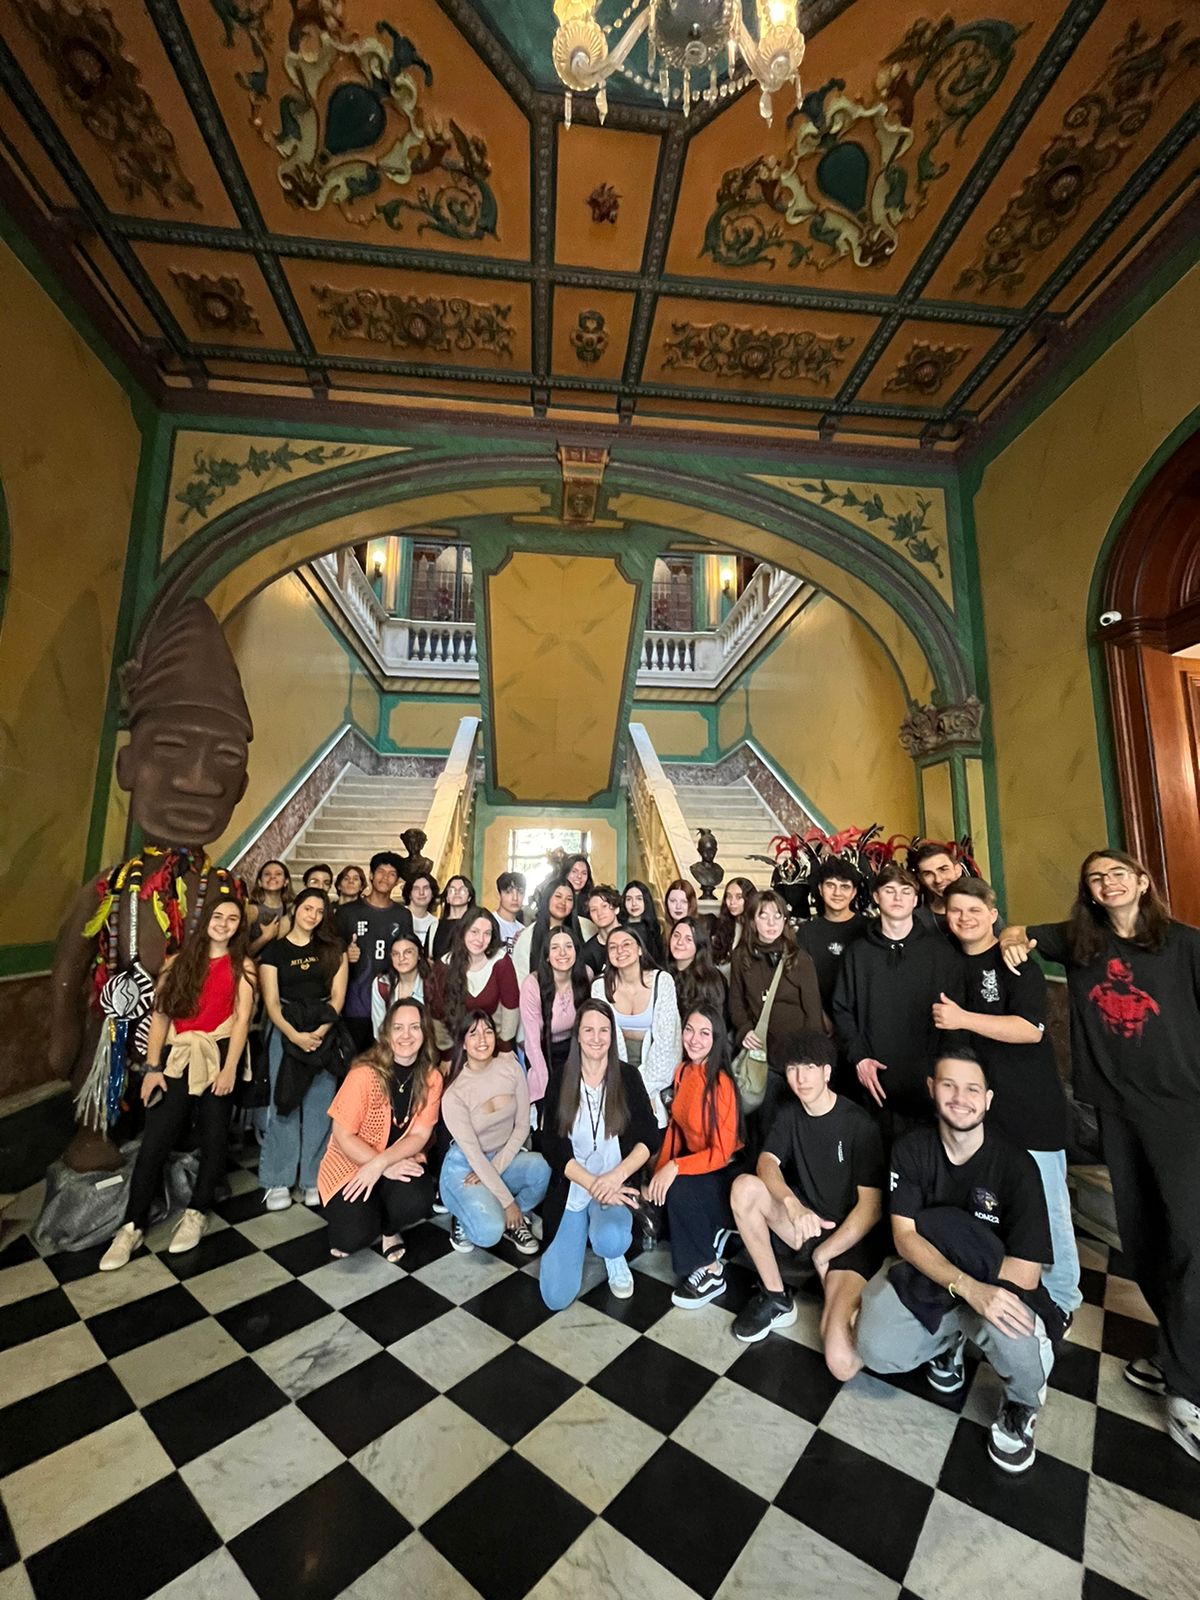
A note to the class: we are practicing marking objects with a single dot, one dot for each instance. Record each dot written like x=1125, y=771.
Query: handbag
x=749, y=1067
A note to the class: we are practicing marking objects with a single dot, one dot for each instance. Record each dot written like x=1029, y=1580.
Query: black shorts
x=866, y=1257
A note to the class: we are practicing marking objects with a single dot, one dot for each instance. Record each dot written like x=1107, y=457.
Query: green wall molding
x=26, y=960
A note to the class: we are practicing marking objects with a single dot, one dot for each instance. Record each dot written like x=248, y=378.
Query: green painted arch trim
x=5, y=553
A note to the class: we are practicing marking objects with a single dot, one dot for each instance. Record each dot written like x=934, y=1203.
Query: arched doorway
x=1150, y=630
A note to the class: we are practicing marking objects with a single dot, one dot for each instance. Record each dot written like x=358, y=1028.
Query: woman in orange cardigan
x=373, y=1179
x=693, y=1173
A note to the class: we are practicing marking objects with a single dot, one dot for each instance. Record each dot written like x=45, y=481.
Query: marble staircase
x=742, y=821
x=359, y=816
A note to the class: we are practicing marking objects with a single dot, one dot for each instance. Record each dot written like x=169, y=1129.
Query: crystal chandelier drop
x=682, y=37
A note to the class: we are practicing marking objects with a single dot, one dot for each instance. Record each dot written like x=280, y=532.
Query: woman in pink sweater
x=550, y=997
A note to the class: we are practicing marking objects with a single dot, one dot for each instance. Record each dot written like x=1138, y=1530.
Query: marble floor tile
x=1123, y=1296
x=18, y=1283
x=1066, y=1429
x=446, y=1351
x=579, y=1340
x=893, y=1426
x=783, y=1557
x=704, y=1336
x=29, y=1368
x=1141, y=1545
x=163, y=1232
x=590, y=1447
x=15, y=1584
x=750, y=1439
x=277, y=1227
x=236, y=1281
x=414, y=1569
x=462, y=1277
x=240, y=1481
x=217, y=1577
x=340, y=1283
x=656, y=1263
x=962, y=1554
x=1087, y=1327
x=312, y=1355
x=806, y=1329
x=603, y=1564
x=1092, y=1254
x=62, y=1491
x=1115, y=1393
x=104, y=1290
x=242, y=1180
x=177, y=1359
x=424, y=1461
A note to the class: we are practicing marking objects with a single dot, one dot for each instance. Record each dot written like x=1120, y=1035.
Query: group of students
x=587, y=1064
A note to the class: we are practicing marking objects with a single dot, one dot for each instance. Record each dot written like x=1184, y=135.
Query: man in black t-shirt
x=827, y=936
x=1005, y=1012
x=818, y=1187
x=368, y=926
x=965, y=1198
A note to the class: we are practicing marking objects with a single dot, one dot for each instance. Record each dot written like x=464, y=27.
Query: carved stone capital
x=930, y=728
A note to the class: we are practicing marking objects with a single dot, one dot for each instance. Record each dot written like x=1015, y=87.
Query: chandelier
x=682, y=36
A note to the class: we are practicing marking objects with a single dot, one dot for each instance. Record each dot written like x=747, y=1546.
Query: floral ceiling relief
x=783, y=355
x=217, y=301
x=856, y=171
x=426, y=324
x=910, y=521
x=344, y=113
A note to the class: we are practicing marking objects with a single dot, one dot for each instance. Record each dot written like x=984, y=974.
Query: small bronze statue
x=706, y=871
x=414, y=864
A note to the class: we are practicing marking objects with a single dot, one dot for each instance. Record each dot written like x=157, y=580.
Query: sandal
x=394, y=1254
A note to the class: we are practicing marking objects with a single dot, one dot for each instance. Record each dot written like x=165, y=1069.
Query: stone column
x=945, y=743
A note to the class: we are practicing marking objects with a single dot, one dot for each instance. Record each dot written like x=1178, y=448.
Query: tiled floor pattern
x=254, y=1420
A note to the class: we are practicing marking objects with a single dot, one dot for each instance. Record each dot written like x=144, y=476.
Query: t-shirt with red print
x=1135, y=1022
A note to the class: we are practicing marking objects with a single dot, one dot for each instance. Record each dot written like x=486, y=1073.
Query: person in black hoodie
x=883, y=1002
x=829, y=935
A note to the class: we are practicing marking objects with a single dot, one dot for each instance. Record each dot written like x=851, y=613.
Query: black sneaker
x=947, y=1372
x=458, y=1237
x=698, y=1288
x=1144, y=1372
x=1010, y=1443
x=762, y=1312
x=521, y=1239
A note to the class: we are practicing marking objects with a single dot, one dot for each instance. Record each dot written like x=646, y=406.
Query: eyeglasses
x=1097, y=880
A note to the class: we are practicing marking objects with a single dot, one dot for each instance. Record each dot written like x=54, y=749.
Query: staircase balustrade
x=666, y=839
x=449, y=821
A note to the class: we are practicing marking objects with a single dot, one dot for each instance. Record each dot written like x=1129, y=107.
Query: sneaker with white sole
x=1183, y=1424
x=763, y=1311
x=189, y=1231
x=458, y=1237
x=278, y=1199
x=1144, y=1372
x=312, y=1197
x=620, y=1279
x=439, y=1210
x=698, y=1288
x=521, y=1238
x=1010, y=1444
x=947, y=1371
x=125, y=1242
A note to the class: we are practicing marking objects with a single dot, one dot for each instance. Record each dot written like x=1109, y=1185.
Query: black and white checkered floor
x=252, y=1419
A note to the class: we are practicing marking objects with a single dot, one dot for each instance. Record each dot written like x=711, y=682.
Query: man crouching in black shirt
x=969, y=1222
x=830, y=1150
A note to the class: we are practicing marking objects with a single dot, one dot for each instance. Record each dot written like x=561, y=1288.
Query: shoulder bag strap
x=764, y=1016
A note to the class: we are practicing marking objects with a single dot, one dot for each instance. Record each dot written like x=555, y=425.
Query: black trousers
x=1155, y=1171
x=165, y=1122
x=391, y=1206
x=361, y=1031
x=697, y=1207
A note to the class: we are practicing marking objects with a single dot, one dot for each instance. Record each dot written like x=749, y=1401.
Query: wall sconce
x=377, y=568
x=727, y=581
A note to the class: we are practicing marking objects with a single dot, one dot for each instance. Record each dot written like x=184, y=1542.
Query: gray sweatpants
x=891, y=1339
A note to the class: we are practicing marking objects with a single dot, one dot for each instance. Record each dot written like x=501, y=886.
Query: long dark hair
x=285, y=894
x=455, y=877
x=1088, y=926
x=426, y=1067
x=458, y=996
x=725, y=931
x=751, y=943
x=616, y=1109
x=716, y=1068
x=423, y=965
x=581, y=895
x=648, y=921
x=540, y=937
x=699, y=984
x=325, y=941
x=646, y=965
x=580, y=984
x=182, y=983
x=458, y=1059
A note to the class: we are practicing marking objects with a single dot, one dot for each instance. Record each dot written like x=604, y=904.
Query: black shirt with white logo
x=827, y=1159
x=1028, y=1104
x=373, y=928
x=827, y=942
x=1000, y=1185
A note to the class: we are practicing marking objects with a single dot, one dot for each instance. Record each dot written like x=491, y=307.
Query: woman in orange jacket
x=693, y=1172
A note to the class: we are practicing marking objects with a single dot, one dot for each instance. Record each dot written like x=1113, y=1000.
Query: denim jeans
x=293, y=1145
x=1062, y=1281
x=610, y=1232
x=526, y=1178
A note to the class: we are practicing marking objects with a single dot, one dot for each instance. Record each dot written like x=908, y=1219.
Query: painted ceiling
x=303, y=204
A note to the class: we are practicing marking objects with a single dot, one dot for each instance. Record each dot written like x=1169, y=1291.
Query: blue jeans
x=610, y=1232
x=1062, y=1281
x=526, y=1177
x=293, y=1145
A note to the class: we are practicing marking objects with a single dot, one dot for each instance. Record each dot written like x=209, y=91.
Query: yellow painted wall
x=296, y=677
x=364, y=705
x=939, y=801
x=675, y=733
x=603, y=853
x=1041, y=516
x=428, y=724
x=826, y=706
x=69, y=450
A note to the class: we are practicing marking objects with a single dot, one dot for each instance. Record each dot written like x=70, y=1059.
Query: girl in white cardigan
x=643, y=1000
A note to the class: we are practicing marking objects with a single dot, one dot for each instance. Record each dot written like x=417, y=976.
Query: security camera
x=1109, y=618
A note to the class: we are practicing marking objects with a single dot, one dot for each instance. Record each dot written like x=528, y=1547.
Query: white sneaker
x=278, y=1199
x=191, y=1229
x=620, y=1279
x=1183, y=1422
x=312, y=1197
x=125, y=1242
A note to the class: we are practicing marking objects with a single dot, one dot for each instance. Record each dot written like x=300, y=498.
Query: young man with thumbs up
x=1006, y=1013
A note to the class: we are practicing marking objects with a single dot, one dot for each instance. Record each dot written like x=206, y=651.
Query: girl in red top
x=201, y=1018
x=693, y=1171
x=373, y=1178
x=479, y=976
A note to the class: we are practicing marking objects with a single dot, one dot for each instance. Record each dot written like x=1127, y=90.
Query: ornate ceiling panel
x=300, y=202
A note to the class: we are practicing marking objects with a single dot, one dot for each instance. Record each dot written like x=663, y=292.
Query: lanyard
x=596, y=1120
